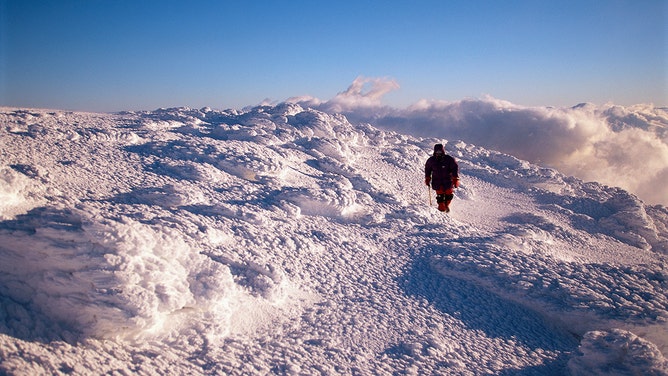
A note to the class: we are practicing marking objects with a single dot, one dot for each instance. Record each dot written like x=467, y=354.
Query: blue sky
x=111, y=55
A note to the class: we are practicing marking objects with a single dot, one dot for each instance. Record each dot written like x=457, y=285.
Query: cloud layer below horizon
x=618, y=146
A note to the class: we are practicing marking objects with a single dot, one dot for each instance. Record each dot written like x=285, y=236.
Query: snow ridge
x=286, y=240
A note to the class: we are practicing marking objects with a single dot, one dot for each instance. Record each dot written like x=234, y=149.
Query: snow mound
x=82, y=276
x=617, y=352
x=18, y=193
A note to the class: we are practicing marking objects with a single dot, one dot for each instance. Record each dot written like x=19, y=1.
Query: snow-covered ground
x=285, y=240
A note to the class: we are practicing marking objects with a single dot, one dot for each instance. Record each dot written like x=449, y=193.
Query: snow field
x=286, y=240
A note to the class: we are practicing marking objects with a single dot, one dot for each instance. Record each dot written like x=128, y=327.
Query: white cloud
x=364, y=92
x=614, y=145
x=306, y=100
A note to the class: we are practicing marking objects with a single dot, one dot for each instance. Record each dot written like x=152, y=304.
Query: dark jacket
x=441, y=169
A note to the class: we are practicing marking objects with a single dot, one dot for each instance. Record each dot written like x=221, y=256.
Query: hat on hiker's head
x=439, y=149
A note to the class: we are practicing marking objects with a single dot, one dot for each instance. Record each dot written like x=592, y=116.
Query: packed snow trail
x=285, y=240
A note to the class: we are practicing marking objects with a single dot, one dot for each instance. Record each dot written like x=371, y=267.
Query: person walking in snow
x=442, y=171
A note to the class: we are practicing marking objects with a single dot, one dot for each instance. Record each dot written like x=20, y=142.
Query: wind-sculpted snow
x=616, y=352
x=285, y=240
x=604, y=290
x=97, y=277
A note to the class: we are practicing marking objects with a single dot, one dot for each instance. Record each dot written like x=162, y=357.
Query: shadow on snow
x=482, y=310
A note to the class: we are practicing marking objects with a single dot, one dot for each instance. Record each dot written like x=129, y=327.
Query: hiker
x=442, y=171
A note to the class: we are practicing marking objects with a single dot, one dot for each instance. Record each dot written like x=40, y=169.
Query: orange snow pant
x=443, y=198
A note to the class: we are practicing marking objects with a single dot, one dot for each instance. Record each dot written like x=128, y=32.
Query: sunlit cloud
x=364, y=92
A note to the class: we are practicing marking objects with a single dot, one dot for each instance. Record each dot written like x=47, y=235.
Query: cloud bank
x=618, y=146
